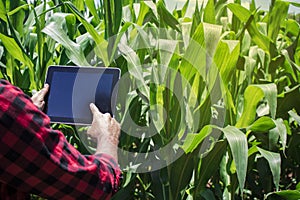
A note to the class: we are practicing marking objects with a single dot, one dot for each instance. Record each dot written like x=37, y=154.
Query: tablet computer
x=73, y=88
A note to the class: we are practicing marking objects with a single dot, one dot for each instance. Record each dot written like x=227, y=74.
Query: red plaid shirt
x=37, y=159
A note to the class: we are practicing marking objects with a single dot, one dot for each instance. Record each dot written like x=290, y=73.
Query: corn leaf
x=292, y=27
x=274, y=161
x=277, y=16
x=288, y=194
x=208, y=165
x=270, y=92
x=281, y=131
x=2, y=12
x=194, y=59
x=209, y=15
x=262, y=125
x=101, y=43
x=134, y=68
x=14, y=49
x=73, y=50
x=252, y=96
x=295, y=116
x=197, y=58
x=245, y=16
x=193, y=140
x=117, y=14
x=92, y=8
x=181, y=178
x=184, y=8
x=225, y=58
x=166, y=18
x=145, y=8
x=239, y=150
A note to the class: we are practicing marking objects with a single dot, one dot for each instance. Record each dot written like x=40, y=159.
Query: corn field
x=209, y=102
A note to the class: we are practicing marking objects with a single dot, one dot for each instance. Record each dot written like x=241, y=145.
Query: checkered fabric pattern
x=37, y=159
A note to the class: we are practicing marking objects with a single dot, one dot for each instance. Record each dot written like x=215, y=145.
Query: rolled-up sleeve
x=37, y=159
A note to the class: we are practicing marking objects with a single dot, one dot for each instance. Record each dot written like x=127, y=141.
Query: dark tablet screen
x=72, y=89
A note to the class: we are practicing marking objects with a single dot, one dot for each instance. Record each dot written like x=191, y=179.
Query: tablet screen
x=72, y=89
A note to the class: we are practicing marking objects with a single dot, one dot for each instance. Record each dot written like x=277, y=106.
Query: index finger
x=94, y=109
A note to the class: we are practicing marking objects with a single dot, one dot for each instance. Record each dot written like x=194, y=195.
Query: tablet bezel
x=75, y=69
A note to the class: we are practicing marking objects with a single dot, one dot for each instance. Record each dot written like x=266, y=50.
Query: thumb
x=44, y=90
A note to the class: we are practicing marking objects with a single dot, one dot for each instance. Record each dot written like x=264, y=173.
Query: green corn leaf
x=64, y=20
x=209, y=15
x=242, y=13
x=295, y=4
x=159, y=179
x=180, y=178
x=209, y=165
x=262, y=125
x=207, y=194
x=108, y=18
x=252, y=96
x=167, y=48
x=14, y=11
x=146, y=7
x=2, y=12
x=289, y=101
x=245, y=16
x=184, y=8
x=200, y=49
x=225, y=58
x=274, y=161
x=17, y=15
x=194, y=59
x=294, y=115
x=101, y=43
x=212, y=34
x=117, y=39
x=196, y=19
x=292, y=27
x=13, y=48
x=117, y=16
x=239, y=150
x=166, y=17
x=92, y=8
x=134, y=68
x=270, y=92
x=73, y=50
x=279, y=131
x=33, y=17
x=129, y=99
x=288, y=194
x=277, y=16
x=193, y=140
x=79, y=4
x=157, y=106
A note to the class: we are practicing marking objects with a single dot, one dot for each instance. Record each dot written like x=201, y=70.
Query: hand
x=106, y=130
x=38, y=97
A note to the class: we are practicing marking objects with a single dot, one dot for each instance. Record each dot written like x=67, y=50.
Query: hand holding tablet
x=73, y=89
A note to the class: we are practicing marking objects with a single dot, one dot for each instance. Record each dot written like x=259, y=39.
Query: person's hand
x=38, y=97
x=106, y=130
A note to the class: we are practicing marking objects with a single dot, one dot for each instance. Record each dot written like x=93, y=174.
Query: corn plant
x=208, y=104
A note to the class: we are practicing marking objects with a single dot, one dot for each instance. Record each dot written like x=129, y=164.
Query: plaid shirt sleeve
x=37, y=159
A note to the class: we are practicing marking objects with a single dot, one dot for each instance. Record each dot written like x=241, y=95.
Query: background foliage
x=236, y=71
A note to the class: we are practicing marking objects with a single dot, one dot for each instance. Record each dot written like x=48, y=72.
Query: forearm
x=35, y=158
x=106, y=147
